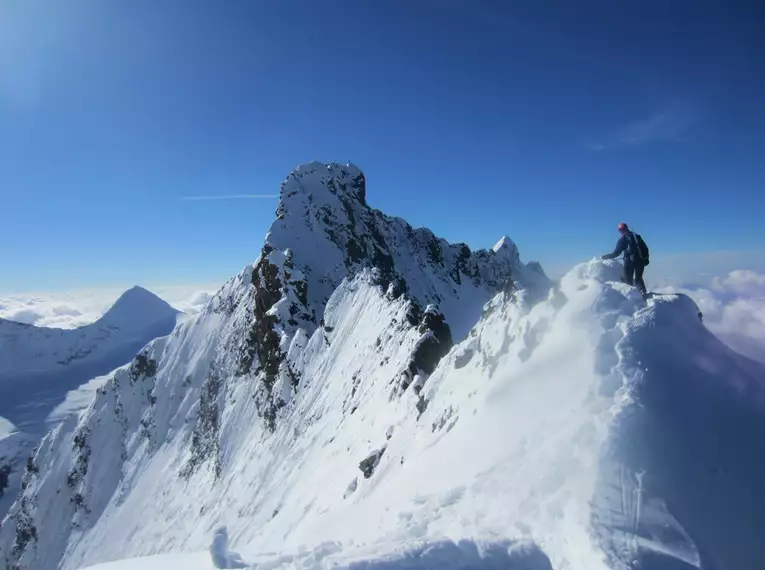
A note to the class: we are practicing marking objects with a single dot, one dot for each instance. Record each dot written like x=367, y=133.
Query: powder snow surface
x=573, y=427
x=520, y=445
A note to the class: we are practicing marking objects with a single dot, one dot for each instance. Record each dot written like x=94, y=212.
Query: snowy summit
x=136, y=317
x=505, y=243
x=368, y=394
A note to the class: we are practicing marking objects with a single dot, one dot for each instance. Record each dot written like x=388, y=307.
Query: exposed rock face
x=5, y=471
x=434, y=343
x=323, y=218
x=324, y=232
x=369, y=463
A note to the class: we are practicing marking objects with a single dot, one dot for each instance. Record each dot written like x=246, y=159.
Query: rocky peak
x=136, y=307
x=324, y=219
x=324, y=232
x=506, y=248
x=320, y=184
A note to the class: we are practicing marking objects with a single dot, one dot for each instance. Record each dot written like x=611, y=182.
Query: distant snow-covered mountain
x=368, y=395
x=27, y=348
x=42, y=370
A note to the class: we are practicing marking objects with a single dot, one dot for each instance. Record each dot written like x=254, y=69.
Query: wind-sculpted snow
x=333, y=413
x=117, y=450
x=436, y=555
x=243, y=372
x=682, y=482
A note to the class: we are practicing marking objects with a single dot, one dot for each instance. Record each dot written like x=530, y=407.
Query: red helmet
x=622, y=227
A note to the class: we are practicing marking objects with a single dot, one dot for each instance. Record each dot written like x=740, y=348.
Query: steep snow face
x=570, y=424
x=243, y=371
x=318, y=409
x=15, y=447
x=589, y=430
x=326, y=231
x=177, y=416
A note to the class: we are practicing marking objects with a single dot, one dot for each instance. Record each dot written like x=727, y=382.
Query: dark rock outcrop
x=205, y=439
x=434, y=343
x=368, y=464
x=5, y=471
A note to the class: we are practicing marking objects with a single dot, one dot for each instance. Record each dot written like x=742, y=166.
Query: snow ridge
x=324, y=232
x=319, y=409
x=323, y=215
x=230, y=375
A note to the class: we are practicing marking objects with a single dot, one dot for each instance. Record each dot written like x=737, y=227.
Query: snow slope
x=172, y=561
x=6, y=428
x=15, y=448
x=76, y=401
x=318, y=409
x=441, y=555
x=42, y=370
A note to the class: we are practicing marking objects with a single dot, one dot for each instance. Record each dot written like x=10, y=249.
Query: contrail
x=233, y=197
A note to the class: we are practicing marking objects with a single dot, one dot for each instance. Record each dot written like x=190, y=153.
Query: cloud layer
x=72, y=309
x=733, y=308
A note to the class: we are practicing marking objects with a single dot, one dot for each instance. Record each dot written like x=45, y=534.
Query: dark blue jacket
x=628, y=245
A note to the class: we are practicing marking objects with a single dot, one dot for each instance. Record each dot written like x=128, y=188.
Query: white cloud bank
x=78, y=307
x=733, y=306
x=734, y=309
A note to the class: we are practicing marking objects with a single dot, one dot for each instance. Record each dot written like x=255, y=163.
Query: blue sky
x=550, y=124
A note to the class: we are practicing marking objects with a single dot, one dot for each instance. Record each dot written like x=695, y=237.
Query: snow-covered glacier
x=369, y=395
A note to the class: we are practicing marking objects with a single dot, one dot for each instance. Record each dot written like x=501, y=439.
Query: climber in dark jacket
x=634, y=264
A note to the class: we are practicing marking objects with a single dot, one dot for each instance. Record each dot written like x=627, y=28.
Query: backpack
x=643, y=249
